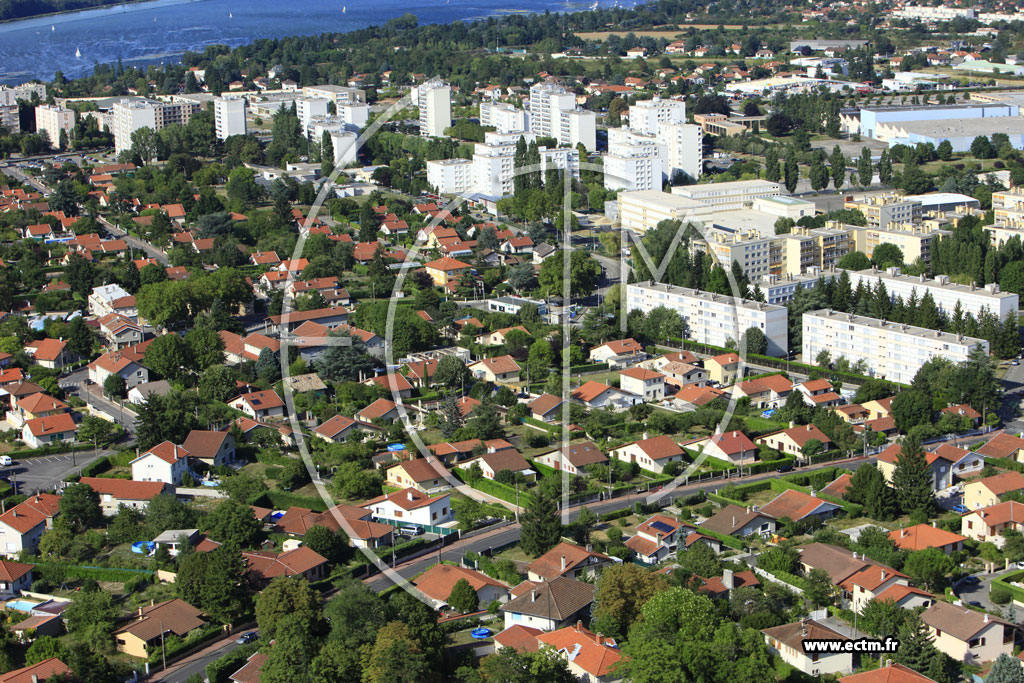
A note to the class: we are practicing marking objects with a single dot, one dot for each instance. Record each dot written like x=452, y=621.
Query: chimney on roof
x=855, y=554
x=411, y=497
x=563, y=563
x=35, y=679
x=903, y=533
x=934, y=525
x=579, y=626
x=728, y=580
x=883, y=575
x=734, y=520
x=809, y=427
x=533, y=595
x=986, y=617
x=599, y=639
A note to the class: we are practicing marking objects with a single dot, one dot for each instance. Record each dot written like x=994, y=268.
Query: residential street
x=77, y=383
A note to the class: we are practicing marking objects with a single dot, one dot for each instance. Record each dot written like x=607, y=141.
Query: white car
x=5, y=461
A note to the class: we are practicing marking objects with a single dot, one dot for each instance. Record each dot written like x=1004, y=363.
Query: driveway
x=979, y=591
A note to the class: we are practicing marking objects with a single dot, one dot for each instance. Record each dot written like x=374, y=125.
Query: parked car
x=786, y=468
x=5, y=461
x=248, y=637
x=961, y=508
x=970, y=580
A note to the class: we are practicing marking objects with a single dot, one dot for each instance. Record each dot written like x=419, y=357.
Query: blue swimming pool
x=22, y=605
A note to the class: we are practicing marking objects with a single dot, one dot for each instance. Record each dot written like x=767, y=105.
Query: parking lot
x=40, y=473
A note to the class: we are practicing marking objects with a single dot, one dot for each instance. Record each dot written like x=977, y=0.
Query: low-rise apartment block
x=946, y=294
x=713, y=318
x=891, y=350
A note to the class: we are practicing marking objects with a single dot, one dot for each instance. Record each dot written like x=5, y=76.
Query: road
x=196, y=663
x=508, y=534
x=77, y=383
x=46, y=472
x=143, y=246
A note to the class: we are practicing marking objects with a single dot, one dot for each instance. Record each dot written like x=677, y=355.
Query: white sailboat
x=78, y=52
x=230, y=15
x=344, y=8
x=52, y=27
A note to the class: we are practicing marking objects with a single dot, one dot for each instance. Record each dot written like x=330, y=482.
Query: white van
x=5, y=460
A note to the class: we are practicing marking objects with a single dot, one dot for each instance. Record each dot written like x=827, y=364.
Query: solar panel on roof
x=661, y=526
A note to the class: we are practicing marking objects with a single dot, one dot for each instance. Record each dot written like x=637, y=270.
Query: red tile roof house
x=618, y=353
x=792, y=441
x=259, y=405
x=211, y=448
x=797, y=505
x=45, y=670
x=381, y=409
x=133, y=494
x=500, y=369
x=166, y=462
x=733, y=447
x=548, y=605
x=341, y=428
x=50, y=353
x=574, y=457
x=357, y=522
x=651, y=454
x=394, y=383
x=14, y=578
x=302, y=561
x=411, y=506
x=655, y=538
x=922, y=536
x=567, y=560
x=590, y=656
x=58, y=428
x=547, y=408
x=23, y=525
x=862, y=579
x=597, y=395
x=437, y=582
x=118, y=363
x=889, y=672
x=721, y=586
x=1004, y=445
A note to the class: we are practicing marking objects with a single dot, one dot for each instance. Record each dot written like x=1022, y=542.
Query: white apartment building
x=9, y=96
x=435, y=103
x=308, y=108
x=685, y=145
x=891, y=351
x=493, y=162
x=53, y=120
x=946, y=294
x=450, y=176
x=10, y=118
x=229, y=116
x=737, y=194
x=344, y=144
x=130, y=115
x=635, y=161
x=647, y=116
x=553, y=113
x=353, y=114
x=781, y=289
x=339, y=94
x=713, y=318
x=504, y=117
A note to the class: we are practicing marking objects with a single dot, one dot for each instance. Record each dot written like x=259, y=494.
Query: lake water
x=161, y=31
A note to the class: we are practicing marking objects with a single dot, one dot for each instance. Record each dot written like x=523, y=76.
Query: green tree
x=837, y=166
x=885, y=168
x=864, y=168
x=80, y=507
x=912, y=478
x=584, y=273
x=887, y=254
x=508, y=665
x=944, y=151
x=699, y=559
x=344, y=362
x=168, y=355
x=289, y=660
x=43, y=648
x=80, y=338
x=882, y=618
x=214, y=582
x=287, y=596
x=911, y=408
x=452, y=373
x=326, y=155
x=333, y=545
x=622, y=590
x=463, y=598
x=205, y=348
x=756, y=341
x=395, y=657
x=541, y=528
x=869, y=489
x=791, y=173
x=1006, y=669
x=820, y=589
x=217, y=383
x=779, y=558
x=233, y=523
x=94, y=429
x=928, y=567
x=114, y=386
x=90, y=616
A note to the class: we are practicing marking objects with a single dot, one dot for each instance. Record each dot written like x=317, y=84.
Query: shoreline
x=68, y=16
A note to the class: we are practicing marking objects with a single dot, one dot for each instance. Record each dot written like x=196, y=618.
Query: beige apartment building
x=53, y=120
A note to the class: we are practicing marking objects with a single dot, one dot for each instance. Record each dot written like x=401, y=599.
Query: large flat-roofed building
x=780, y=290
x=642, y=210
x=229, y=116
x=885, y=210
x=340, y=94
x=946, y=294
x=713, y=318
x=647, y=116
x=915, y=240
x=960, y=133
x=9, y=96
x=737, y=194
x=635, y=161
x=1008, y=208
x=891, y=351
x=10, y=118
x=872, y=117
x=553, y=113
x=53, y=120
x=803, y=249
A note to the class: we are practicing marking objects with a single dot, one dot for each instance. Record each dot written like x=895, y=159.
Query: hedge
x=219, y=670
x=497, y=489
x=770, y=465
x=791, y=579
x=110, y=574
x=615, y=514
x=549, y=428
x=544, y=470
x=282, y=500
x=175, y=645
x=588, y=367
x=730, y=541
x=743, y=491
x=722, y=500
x=96, y=467
x=1004, y=582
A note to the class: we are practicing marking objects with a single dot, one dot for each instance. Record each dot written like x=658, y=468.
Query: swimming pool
x=22, y=605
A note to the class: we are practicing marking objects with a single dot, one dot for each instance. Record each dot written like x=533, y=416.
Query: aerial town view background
x=674, y=342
